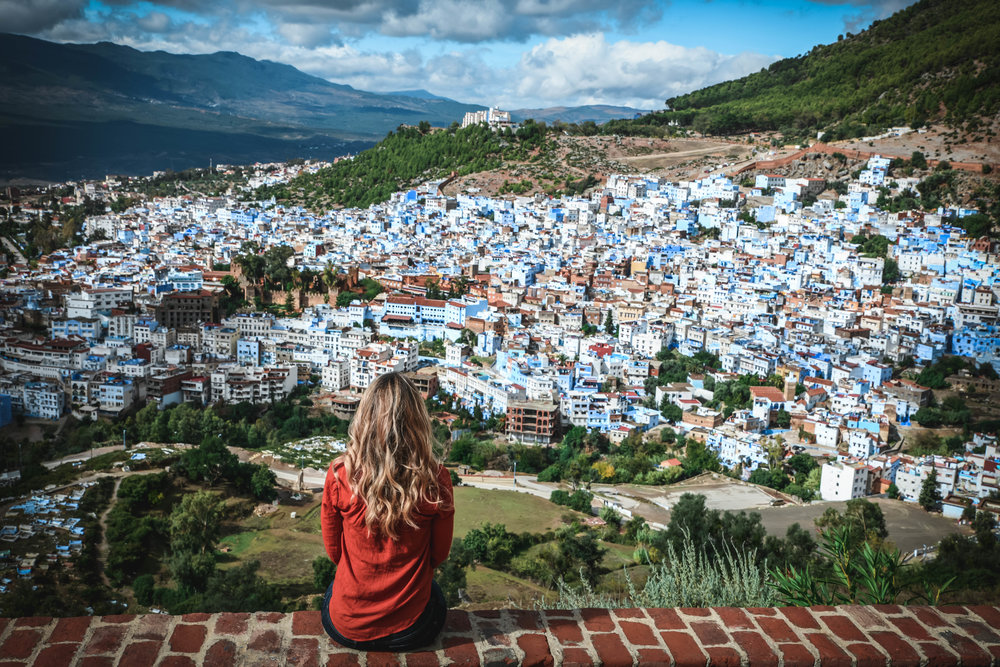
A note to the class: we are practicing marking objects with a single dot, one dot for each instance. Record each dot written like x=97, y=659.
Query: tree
x=609, y=323
x=324, y=570
x=262, y=483
x=929, y=494
x=893, y=491
x=195, y=523
x=783, y=419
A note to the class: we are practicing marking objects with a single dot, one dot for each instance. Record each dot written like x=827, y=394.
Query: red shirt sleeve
x=443, y=525
x=330, y=519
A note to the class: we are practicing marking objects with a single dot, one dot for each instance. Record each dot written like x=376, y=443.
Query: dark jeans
x=422, y=633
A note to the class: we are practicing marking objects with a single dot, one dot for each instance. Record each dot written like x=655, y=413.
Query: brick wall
x=862, y=636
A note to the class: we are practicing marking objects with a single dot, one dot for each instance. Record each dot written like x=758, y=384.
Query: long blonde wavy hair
x=389, y=460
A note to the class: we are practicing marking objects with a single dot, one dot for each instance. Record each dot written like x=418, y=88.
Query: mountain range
x=84, y=110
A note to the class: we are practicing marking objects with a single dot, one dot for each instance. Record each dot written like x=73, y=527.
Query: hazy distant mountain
x=88, y=109
x=419, y=94
x=85, y=110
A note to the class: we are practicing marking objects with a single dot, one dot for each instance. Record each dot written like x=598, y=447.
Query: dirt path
x=102, y=549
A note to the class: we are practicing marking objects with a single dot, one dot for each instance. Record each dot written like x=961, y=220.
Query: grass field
x=519, y=512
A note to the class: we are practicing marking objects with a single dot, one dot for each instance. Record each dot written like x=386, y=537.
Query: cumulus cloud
x=31, y=16
x=587, y=69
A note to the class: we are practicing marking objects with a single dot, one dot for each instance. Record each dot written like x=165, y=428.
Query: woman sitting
x=387, y=517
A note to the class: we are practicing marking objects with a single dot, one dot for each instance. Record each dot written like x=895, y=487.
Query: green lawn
x=520, y=512
x=490, y=588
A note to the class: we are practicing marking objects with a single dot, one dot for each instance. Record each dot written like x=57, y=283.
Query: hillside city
x=544, y=313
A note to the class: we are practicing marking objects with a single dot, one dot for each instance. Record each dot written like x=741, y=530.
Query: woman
x=387, y=517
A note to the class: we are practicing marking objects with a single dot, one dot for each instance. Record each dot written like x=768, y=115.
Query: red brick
x=830, y=655
x=777, y=629
x=457, y=621
x=684, y=649
x=629, y=613
x=734, y=618
x=536, y=650
x=267, y=641
x=140, y=654
x=32, y=621
x=666, y=619
x=928, y=617
x=823, y=607
x=269, y=617
x=800, y=617
x=694, y=611
x=461, y=654
x=723, y=656
x=488, y=613
x=118, y=618
x=195, y=618
x=422, y=659
x=105, y=640
x=70, y=630
x=576, y=657
x=97, y=661
x=756, y=648
x=868, y=655
x=653, y=657
x=937, y=654
x=559, y=613
x=972, y=655
x=231, y=624
x=638, y=633
x=188, y=638
x=307, y=623
x=843, y=628
x=345, y=659
x=887, y=608
x=177, y=661
x=303, y=651
x=3, y=624
x=911, y=628
x=525, y=620
x=958, y=610
x=221, y=654
x=611, y=650
x=795, y=655
x=709, y=633
x=151, y=626
x=597, y=620
x=565, y=631
x=989, y=614
x=901, y=652
x=57, y=655
x=761, y=611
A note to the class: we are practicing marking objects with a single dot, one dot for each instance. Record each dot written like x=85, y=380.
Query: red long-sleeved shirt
x=382, y=585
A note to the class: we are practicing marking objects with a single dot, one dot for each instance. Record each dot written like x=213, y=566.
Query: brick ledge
x=792, y=636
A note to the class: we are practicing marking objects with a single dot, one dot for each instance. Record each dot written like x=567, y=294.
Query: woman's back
x=382, y=584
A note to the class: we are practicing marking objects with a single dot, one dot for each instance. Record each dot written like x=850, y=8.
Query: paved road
x=14, y=250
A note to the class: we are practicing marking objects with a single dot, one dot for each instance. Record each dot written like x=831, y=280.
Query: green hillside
x=407, y=157
x=937, y=60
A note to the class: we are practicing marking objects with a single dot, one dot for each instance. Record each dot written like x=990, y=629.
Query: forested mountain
x=937, y=60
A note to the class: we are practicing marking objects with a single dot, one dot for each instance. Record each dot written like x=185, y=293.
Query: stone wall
x=793, y=636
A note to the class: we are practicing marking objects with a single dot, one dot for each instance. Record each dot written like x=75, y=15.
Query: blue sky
x=515, y=53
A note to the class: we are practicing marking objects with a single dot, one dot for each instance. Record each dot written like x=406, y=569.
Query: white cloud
x=587, y=69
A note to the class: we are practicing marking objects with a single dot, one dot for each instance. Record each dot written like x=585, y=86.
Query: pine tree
x=929, y=495
x=609, y=323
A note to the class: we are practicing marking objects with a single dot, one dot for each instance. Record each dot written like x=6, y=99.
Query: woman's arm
x=443, y=525
x=330, y=519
